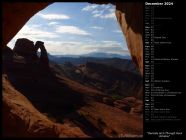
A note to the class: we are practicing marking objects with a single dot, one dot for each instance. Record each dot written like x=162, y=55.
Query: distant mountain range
x=97, y=55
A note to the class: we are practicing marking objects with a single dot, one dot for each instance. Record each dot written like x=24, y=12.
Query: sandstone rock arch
x=44, y=56
x=26, y=48
x=129, y=15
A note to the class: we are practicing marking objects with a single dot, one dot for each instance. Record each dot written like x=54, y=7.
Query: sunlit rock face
x=21, y=119
x=130, y=18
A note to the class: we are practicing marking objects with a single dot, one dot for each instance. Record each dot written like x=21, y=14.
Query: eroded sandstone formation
x=44, y=56
x=26, y=48
x=130, y=18
x=22, y=119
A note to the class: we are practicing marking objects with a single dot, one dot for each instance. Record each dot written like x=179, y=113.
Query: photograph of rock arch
x=75, y=73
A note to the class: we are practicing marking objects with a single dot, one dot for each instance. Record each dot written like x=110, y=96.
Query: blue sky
x=75, y=28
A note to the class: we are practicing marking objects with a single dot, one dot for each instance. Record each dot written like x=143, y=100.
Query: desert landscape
x=97, y=99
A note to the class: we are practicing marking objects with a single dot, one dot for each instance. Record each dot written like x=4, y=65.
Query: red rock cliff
x=130, y=18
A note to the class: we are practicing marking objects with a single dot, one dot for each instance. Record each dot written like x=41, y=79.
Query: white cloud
x=109, y=14
x=104, y=11
x=97, y=15
x=53, y=16
x=90, y=7
x=63, y=47
x=105, y=6
x=107, y=47
x=36, y=25
x=105, y=16
x=117, y=31
x=31, y=31
x=11, y=43
x=34, y=33
x=78, y=48
x=71, y=30
x=95, y=12
x=112, y=10
x=53, y=23
x=97, y=27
